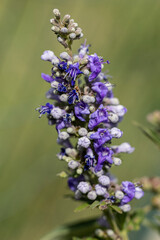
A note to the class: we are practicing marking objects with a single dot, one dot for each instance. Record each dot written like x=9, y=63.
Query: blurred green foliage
x=126, y=32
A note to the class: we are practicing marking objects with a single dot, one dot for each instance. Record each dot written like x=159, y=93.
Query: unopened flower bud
x=53, y=21
x=72, y=35
x=75, y=24
x=66, y=19
x=100, y=191
x=86, y=72
x=72, y=29
x=92, y=108
x=54, y=84
x=82, y=132
x=104, y=180
x=110, y=233
x=72, y=20
x=70, y=130
x=92, y=195
x=119, y=194
x=63, y=135
x=56, y=112
x=113, y=117
x=56, y=12
x=84, y=187
x=116, y=132
x=73, y=164
x=64, y=30
x=78, y=31
x=99, y=233
x=79, y=171
x=84, y=142
x=126, y=208
x=117, y=161
x=63, y=97
x=65, y=56
x=55, y=29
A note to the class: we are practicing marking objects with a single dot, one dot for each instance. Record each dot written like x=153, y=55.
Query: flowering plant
x=86, y=116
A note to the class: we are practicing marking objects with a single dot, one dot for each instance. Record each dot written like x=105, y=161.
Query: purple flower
x=73, y=96
x=129, y=190
x=62, y=88
x=123, y=148
x=101, y=136
x=104, y=155
x=89, y=159
x=73, y=182
x=99, y=116
x=47, y=77
x=64, y=122
x=62, y=66
x=81, y=109
x=45, y=109
x=73, y=71
x=101, y=90
x=83, y=50
x=95, y=66
x=48, y=56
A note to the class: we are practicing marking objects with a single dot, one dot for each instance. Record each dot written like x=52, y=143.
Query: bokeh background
x=125, y=32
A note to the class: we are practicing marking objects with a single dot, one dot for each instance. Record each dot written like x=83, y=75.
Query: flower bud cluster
x=65, y=28
x=85, y=110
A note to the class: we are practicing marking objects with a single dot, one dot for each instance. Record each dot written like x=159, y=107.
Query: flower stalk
x=86, y=116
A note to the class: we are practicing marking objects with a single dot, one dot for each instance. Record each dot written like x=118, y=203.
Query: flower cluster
x=86, y=115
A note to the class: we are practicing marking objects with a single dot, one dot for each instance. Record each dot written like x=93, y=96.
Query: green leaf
x=150, y=133
x=94, y=204
x=116, y=208
x=81, y=207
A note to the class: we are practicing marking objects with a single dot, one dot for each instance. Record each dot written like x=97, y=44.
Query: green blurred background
x=126, y=32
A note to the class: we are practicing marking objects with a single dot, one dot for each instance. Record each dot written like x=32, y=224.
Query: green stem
x=111, y=219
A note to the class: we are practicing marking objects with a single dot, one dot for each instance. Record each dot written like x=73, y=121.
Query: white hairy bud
x=63, y=97
x=63, y=135
x=117, y=161
x=119, y=194
x=82, y=132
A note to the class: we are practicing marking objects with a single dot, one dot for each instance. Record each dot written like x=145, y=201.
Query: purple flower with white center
x=73, y=182
x=73, y=96
x=100, y=191
x=73, y=71
x=84, y=142
x=100, y=137
x=104, y=155
x=95, y=65
x=123, y=148
x=116, y=132
x=104, y=180
x=84, y=187
x=101, y=90
x=45, y=109
x=99, y=116
x=81, y=109
x=47, y=77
